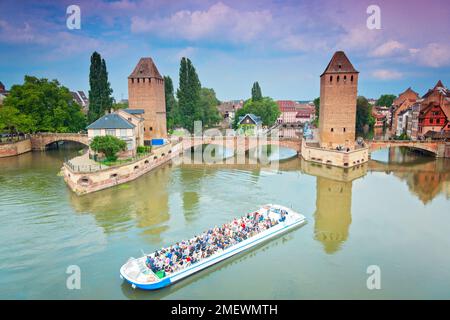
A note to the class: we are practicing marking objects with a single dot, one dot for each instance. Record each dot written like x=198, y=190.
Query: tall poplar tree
x=100, y=90
x=256, y=92
x=171, y=103
x=188, y=95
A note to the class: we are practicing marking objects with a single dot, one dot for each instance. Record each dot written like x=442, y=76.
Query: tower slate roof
x=339, y=63
x=145, y=68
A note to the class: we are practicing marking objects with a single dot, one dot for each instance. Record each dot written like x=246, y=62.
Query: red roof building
x=435, y=110
x=404, y=100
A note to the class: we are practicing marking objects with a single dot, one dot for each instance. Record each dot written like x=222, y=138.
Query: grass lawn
x=115, y=162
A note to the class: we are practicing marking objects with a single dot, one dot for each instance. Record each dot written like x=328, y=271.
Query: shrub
x=109, y=145
x=144, y=149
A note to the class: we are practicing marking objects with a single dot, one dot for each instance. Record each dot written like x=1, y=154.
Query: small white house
x=121, y=124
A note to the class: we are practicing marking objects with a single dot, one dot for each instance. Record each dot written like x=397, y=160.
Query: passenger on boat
x=214, y=240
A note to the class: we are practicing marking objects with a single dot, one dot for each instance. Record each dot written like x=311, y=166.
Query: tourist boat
x=136, y=272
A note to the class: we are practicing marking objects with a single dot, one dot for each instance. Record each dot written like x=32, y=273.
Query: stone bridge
x=438, y=148
x=242, y=143
x=40, y=141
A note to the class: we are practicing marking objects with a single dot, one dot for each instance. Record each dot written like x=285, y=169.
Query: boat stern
x=139, y=276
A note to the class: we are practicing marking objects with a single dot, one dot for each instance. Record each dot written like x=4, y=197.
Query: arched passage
x=42, y=141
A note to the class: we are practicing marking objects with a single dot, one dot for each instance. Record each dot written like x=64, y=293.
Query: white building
x=123, y=124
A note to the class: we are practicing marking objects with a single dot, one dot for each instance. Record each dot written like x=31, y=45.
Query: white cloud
x=21, y=34
x=300, y=43
x=217, y=22
x=358, y=38
x=388, y=49
x=433, y=55
x=384, y=74
x=187, y=52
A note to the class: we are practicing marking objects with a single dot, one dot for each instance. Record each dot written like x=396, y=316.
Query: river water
x=393, y=213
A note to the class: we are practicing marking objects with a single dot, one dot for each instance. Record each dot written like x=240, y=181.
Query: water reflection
x=144, y=202
x=333, y=213
x=267, y=153
x=425, y=176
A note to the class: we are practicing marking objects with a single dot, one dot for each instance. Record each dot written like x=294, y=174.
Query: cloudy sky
x=285, y=45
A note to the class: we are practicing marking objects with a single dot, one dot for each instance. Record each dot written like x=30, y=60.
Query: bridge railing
x=86, y=167
x=66, y=134
x=98, y=166
x=7, y=139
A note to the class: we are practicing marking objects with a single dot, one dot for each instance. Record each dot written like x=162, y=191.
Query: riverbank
x=10, y=149
x=88, y=179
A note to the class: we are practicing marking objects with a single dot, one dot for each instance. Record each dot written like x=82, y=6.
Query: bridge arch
x=41, y=141
x=244, y=144
x=428, y=146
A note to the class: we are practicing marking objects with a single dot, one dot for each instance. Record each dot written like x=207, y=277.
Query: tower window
x=151, y=128
x=138, y=80
x=345, y=78
x=351, y=78
x=332, y=130
x=331, y=78
x=337, y=78
x=339, y=66
x=344, y=129
x=132, y=80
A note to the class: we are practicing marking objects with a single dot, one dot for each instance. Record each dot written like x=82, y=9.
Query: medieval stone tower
x=338, y=94
x=146, y=91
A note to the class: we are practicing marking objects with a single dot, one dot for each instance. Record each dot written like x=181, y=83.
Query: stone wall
x=14, y=149
x=148, y=94
x=334, y=157
x=87, y=182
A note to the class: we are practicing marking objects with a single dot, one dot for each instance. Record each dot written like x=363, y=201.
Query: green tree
x=171, y=103
x=188, y=95
x=120, y=105
x=108, y=145
x=266, y=108
x=256, y=92
x=100, y=91
x=385, y=100
x=316, y=102
x=12, y=121
x=208, y=104
x=364, y=118
x=44, y=106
